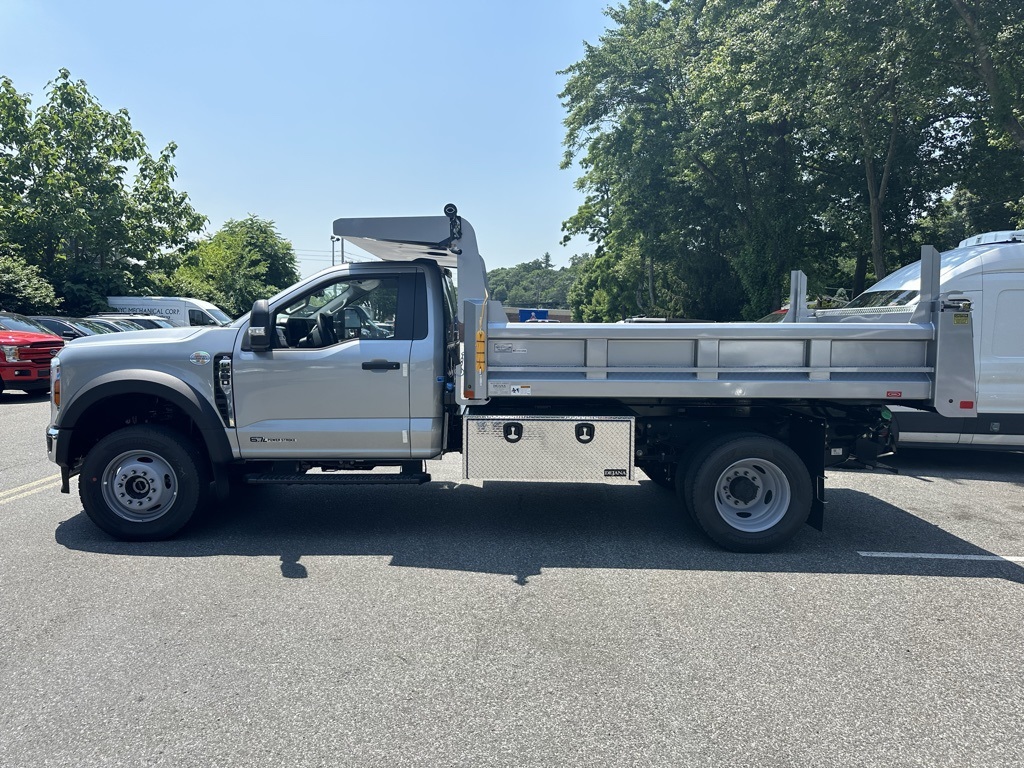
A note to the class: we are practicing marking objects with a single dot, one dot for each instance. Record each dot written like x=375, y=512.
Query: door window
x=198, y=317
x=339, y=312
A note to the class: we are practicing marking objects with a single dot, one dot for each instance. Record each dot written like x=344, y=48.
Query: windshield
x=897, y=298
x=146, y=322
x=152, y=322
x=220, y=316
x=89, y=327
x=23, y=324
x=126, y=325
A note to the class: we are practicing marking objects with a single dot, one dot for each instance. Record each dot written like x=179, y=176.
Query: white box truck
x=987, y=269
x=175, y=309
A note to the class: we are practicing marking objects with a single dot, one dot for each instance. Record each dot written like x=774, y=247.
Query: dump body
x=906, y=363
x=926, y=361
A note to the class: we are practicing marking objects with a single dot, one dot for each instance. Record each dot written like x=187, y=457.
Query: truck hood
x=152, y=346
x=26, y=337
x=143, y=337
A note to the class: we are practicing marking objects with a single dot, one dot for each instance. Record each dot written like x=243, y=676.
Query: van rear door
x=1000, y=421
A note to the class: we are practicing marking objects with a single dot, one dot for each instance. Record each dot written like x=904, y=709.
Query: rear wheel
x=142, y=483
x=748, y=492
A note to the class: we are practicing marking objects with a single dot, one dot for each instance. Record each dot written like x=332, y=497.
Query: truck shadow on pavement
x=520, y=529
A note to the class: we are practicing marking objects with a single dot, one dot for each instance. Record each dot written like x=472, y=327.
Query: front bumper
x=52, y=436
x=55, y=440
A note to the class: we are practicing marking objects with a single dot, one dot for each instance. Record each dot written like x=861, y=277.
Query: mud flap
x=817, y=517
x=808, y=441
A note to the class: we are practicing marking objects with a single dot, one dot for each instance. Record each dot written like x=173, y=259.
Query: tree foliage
x=244, y=261
x=724, y=144
x=22, y=288
x=82, y=198
x=532, y=284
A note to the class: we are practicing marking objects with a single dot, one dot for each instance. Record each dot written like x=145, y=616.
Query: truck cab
x=366, y=391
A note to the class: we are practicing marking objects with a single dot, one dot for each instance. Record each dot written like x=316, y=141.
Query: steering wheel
x=325, y=325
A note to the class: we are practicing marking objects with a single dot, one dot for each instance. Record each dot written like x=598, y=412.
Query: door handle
x=381, y=365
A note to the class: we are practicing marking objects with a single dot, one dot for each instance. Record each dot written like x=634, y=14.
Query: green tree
x=22, y=288
x=601, y=292
x=532, y=284
x=722, y=145
x=243, y=261
x=985, y=39
x=69, y=201
x=689, y=160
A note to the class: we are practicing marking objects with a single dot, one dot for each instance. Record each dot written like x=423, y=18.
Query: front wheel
x=749, y=492
x=142, y=483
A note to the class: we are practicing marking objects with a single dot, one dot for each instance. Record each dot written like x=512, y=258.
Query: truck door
x=335, y=383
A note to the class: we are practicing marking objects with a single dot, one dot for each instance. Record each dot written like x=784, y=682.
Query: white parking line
x=29, y=488
x=942, y=556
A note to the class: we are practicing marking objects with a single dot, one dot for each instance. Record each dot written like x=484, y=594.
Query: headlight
x=10, y=351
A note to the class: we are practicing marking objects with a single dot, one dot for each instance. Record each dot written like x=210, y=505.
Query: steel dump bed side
x=727, y=360
x=927, y=361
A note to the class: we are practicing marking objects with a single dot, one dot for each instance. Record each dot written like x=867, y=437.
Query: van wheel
x=748, y=492
x=142, y=483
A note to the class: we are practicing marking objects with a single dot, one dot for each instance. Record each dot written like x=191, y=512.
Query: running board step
x=364, y=478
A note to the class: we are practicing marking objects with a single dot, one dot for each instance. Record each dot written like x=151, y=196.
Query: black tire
x=660, y=473
x=143, y=483
x=748, y=492
x=686, y=469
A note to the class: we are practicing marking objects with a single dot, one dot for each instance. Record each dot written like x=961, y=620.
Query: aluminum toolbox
x=548, y=448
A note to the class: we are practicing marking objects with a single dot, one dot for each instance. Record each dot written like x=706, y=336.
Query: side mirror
x=259, y=326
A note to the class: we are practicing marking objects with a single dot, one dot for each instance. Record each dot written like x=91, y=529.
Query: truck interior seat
x=295, y=330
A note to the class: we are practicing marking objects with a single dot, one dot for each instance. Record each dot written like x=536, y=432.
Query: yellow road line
x=29, y=488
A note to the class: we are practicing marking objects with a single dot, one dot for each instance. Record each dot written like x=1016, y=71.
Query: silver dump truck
x=363, y=372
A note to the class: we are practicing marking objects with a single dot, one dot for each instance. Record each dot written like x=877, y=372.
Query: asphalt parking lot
x=506, y=624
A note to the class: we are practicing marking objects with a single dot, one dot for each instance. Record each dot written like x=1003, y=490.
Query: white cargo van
x=175, y=309
x=989, y=270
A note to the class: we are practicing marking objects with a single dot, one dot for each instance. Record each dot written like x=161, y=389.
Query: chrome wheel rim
x=139, y=486
x=752, y=495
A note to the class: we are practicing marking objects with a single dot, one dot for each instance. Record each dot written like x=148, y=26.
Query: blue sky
x=306, y=111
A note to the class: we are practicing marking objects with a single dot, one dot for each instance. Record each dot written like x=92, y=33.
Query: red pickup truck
x=26, y=348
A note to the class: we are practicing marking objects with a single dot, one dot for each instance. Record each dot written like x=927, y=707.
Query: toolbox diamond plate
x=548, y=448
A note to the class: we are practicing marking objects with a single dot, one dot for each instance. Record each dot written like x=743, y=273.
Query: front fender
x=146, y=382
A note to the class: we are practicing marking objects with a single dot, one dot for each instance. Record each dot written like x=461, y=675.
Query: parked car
x=70, y=327
x=774, y=317
x=115, y=324
x=25, y=351
x=146, y=321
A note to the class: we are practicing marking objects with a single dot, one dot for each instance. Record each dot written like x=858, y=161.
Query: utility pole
x=334, y=239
